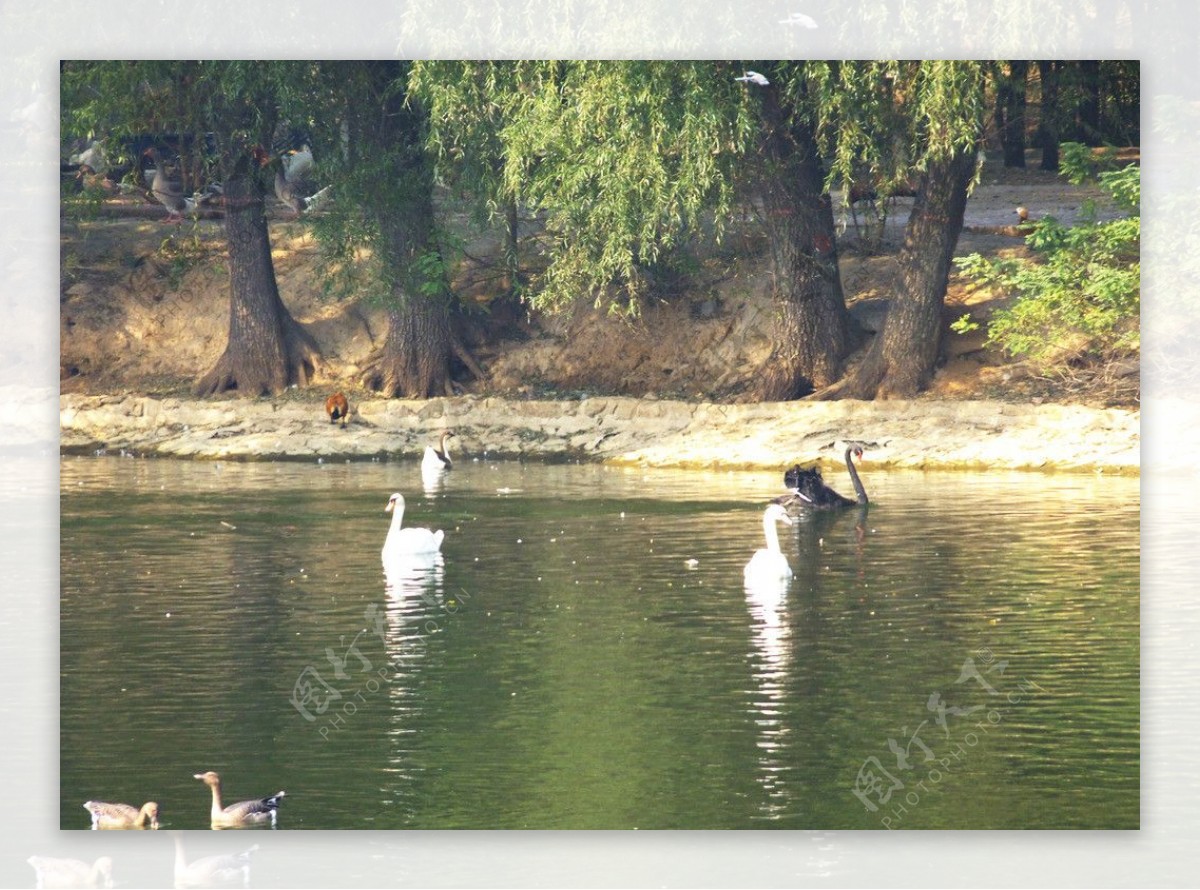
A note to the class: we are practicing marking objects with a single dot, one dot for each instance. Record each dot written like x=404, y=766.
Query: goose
x=53, y=872
x=297, y=163
x=438, y=458
x=229, y=870
x=92, y=157
x=118, y=816
x=167, y=191
x=769, y=564
x=246, y=812
x=406, y=542
x=292, y=181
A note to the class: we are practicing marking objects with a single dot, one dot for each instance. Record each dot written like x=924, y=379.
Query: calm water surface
x=964, y=656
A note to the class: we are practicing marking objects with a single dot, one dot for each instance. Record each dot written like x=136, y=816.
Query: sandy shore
x=910, y=434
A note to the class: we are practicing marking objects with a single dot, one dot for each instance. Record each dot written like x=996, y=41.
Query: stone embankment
x=908, y=434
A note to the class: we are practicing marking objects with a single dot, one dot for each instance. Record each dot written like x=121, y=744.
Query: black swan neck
x=858, y=486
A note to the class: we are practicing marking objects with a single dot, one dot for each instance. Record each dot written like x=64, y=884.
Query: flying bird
x=755, y=78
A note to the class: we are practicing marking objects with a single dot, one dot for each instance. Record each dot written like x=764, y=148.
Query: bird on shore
x=338, y=408
x=167, y=191
x=121, y=816
x=243, y=813
x=293, y=185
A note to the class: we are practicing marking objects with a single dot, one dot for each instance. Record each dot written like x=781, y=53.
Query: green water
x=565, y=667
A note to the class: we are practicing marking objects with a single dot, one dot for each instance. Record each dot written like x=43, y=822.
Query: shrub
x=1080, y=293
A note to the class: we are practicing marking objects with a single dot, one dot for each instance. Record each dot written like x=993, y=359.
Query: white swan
x=769, y=564
x=437, y=460
x=402, y=542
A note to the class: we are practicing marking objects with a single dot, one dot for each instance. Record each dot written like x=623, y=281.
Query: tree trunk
x=267, y=350
x=810, y=325
x=414, y=359
x=512, y=247
x=901, y=359
x=1010, y=113
x=1088, y=116
x=1048, y=128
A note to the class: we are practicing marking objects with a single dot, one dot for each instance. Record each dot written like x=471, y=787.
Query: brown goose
x=437, y=458
x=246, y=812
x=121, y=816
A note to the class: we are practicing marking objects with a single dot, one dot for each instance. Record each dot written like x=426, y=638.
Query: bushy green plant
x=1080, y=293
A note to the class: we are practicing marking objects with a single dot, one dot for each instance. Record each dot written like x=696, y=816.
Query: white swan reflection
x=767, y=603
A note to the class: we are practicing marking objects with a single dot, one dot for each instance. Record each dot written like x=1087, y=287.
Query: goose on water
x=243, y=813
x=119, y=816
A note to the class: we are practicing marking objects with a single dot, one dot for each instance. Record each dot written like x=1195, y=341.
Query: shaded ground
x=144, y=308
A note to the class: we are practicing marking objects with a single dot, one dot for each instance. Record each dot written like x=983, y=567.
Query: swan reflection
x=767, y=602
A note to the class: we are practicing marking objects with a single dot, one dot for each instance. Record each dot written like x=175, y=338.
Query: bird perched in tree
x=755, y=78
x=338, y=408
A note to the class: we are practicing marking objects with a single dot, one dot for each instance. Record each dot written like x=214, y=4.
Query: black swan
x=807, y=490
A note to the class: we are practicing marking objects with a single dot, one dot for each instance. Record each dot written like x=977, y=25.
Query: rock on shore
x=910, y=434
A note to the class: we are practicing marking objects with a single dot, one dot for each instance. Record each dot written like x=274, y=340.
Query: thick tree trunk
x=1010, y=113
x=267, y=350
x=414, y=359
x=810, y=327
x=1048, y=128
x=900, y=361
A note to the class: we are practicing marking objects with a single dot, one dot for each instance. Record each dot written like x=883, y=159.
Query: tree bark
x=810, y=326
x=267, y=349
x=1010, y=113
x=900, y=360
x=414, y=359
x=1048, y=127
x=1088, y=115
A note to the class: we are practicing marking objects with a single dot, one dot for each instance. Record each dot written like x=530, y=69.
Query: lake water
x=964, y=656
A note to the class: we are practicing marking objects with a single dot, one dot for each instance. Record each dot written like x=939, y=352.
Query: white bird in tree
x=755, y=78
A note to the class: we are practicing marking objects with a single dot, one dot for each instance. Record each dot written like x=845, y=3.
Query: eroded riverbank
x=908, y=434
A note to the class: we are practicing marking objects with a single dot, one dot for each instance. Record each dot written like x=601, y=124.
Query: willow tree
x=380, y=235
x=225, y=110
x=943, y=105
x=625, y=161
